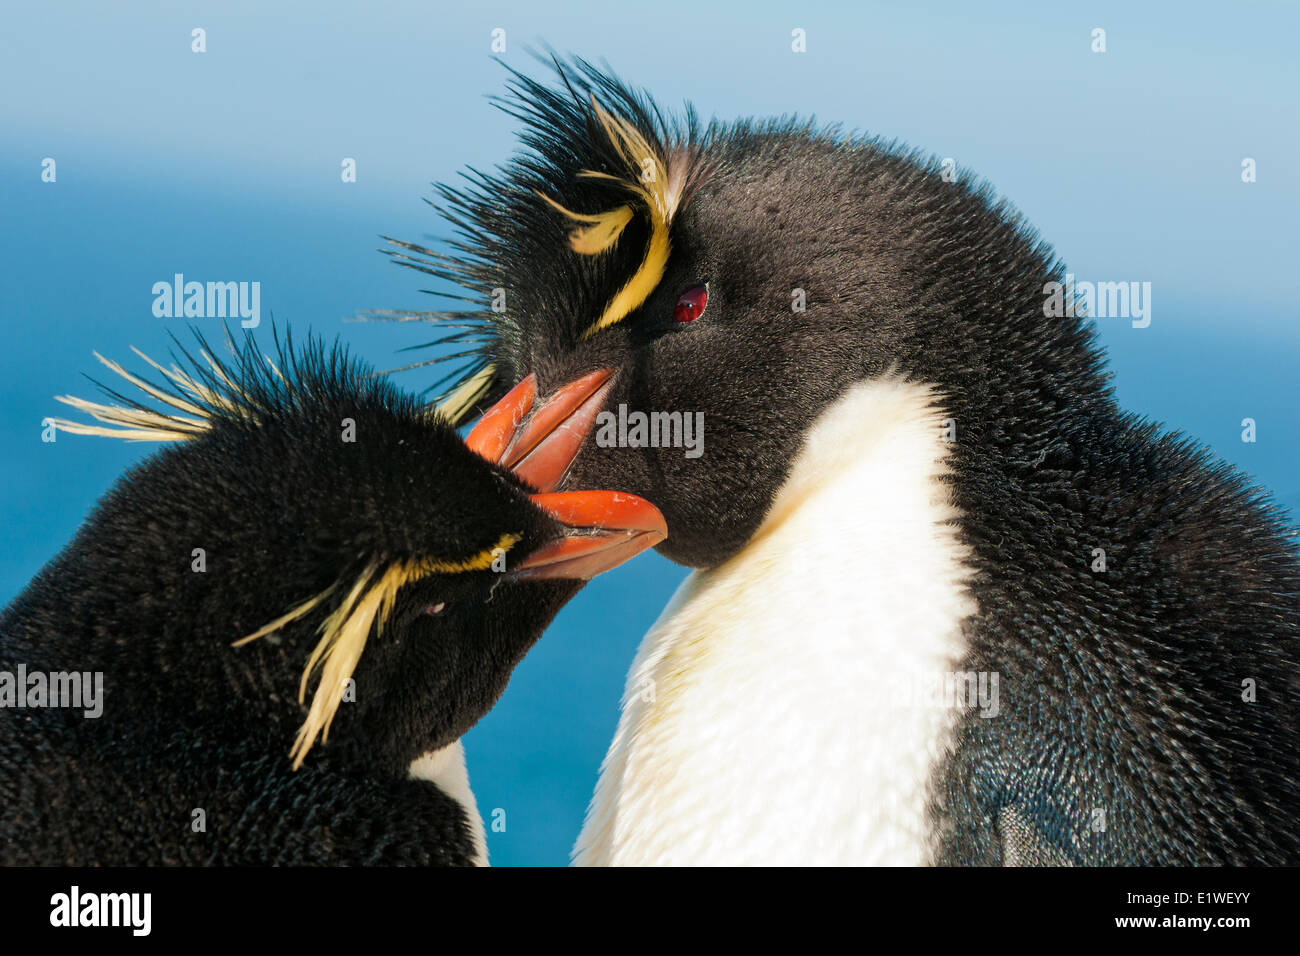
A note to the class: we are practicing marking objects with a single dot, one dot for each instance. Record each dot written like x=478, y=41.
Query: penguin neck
x=446, y=769
x=762, y=720
x=1017, y=394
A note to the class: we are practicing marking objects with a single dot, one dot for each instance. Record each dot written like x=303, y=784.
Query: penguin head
x=358, y=552
x=442, y=657
x=744, y=274
x=448, y=618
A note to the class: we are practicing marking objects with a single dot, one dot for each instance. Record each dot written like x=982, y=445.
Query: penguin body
x=326, y=518
x=915, y=478
x=794, y=668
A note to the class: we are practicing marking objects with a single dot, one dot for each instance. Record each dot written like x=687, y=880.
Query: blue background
x=225, y=165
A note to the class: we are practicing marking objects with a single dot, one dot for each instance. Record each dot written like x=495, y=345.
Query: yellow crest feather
x=659, y=188
x=466, y=395
x=192, y=415
x=345, y=632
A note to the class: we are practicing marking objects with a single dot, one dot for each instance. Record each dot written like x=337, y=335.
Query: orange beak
x=602, y=529
x=541, y=447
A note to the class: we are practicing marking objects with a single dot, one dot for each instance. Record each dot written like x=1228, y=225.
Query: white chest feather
x=446, y=768
x=762, y=721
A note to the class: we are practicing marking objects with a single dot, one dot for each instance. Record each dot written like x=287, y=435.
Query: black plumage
x=1124, y=690
x=283, y=508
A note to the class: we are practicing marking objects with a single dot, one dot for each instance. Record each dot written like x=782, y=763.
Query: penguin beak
x=539, y=448
x=601, y=530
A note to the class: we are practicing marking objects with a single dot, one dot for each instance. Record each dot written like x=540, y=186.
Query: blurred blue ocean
x=225, y=165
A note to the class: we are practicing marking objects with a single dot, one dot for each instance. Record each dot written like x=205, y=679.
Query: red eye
x=691, y=305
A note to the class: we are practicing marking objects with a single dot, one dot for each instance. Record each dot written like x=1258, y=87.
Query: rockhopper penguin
x=327, y=519
x=953, y=604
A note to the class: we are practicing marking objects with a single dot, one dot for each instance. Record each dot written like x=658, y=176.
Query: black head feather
x=506, y=254
x=302, y=487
